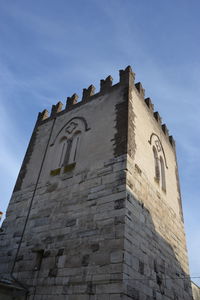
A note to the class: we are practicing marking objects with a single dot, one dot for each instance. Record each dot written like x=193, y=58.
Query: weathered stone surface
x=99, y=226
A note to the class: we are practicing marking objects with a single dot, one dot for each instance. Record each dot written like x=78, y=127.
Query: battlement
x=126, y=79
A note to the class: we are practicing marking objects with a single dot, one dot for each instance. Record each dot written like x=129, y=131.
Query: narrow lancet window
x=162, y=167
x=156, y=163
x=68, y=149
x=74, y=148
x=67, y=153
x=63, y=146
x=67, y=146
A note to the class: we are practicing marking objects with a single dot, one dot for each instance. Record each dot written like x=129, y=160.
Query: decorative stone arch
x=69, y=123
x=66, y=145
x=159, y=146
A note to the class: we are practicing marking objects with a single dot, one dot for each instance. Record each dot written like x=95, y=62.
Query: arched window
x=67, y=150
x=61, y=151
x=66, y=145
x=162, y=167
x=72, y=149
x=160, y=162
x=156, y=164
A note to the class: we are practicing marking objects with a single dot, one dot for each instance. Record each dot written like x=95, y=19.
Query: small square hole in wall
x=55, y=172
x=69, y=167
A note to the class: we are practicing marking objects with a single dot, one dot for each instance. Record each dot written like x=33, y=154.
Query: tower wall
x=67, y=238
x=91, y=216
x=156, y=263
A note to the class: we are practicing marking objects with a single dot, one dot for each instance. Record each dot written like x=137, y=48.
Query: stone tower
x=96, y=210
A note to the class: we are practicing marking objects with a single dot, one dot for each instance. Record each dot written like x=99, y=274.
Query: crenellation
x=149, y=103
x=87, y=93
x=105, y=84
x=172, y=141
x=140, y=89
x=127, y=76
x=158, y=117
x=56, y=109
x=165, y=130
x=43, y=115
x=71, y=101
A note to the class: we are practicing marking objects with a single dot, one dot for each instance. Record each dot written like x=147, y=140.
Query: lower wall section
x=155, y=256
x=11, y=292
x=72, y=247
x=89, y=237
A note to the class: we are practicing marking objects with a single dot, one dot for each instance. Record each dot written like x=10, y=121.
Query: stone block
x=115, y=297
x=100, y=258
x=119, y=204
x=102, y=297
x=116, y=256
x=133, y=293
x=109, y=288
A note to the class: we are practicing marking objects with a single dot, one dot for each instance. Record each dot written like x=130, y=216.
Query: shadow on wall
x=151, y=268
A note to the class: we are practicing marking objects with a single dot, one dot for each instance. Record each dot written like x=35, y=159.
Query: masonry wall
x=156, y=264
x=72, y=244
x=98, y=224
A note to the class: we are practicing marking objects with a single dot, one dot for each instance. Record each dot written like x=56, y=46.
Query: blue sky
x=52, y=49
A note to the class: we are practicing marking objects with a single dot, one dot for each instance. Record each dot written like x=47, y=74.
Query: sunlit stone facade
x=96, y=210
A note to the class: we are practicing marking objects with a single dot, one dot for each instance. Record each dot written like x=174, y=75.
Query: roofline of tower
x=126, y=78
